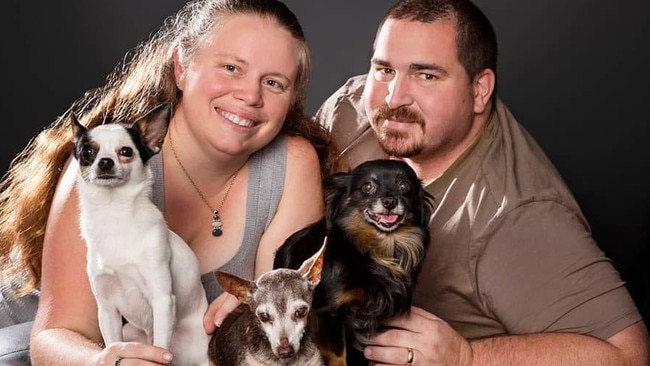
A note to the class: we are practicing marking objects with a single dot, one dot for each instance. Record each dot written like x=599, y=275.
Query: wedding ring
x=117, y=362
x=409, y=357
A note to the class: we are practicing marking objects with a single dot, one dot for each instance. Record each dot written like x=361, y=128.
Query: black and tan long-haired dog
x=376, y=221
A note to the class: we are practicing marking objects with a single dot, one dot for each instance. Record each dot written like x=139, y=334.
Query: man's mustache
x=401, y=114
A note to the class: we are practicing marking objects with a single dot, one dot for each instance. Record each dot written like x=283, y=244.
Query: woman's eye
x=231, y=68
x=275, y=84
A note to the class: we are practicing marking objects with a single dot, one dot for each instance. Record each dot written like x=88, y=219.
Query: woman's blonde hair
x=143, y=80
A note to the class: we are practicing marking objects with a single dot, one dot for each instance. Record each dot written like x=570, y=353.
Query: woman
x=238, y=144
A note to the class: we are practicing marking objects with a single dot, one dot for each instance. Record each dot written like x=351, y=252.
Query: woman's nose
x=249, y=91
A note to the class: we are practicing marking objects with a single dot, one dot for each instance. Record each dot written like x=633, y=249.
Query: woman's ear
x=483, y=88
x=178, y=69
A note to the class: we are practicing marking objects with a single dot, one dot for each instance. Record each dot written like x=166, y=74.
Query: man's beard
x=394, y=142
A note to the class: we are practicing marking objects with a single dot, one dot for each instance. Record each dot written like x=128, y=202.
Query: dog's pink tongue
x=389, y=219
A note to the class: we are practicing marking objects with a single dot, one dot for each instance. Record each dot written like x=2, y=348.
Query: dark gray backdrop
x=574, y=73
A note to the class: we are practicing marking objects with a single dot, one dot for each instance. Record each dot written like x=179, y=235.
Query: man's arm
x=629, y=347
x=435, y=343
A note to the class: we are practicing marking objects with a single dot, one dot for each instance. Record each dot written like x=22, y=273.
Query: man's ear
x=483, y=88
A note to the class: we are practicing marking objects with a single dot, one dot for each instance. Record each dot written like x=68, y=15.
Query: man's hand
x=432, y=341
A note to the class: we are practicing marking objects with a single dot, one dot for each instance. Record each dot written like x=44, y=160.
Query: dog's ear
x=426, y=206
x=335, y=187
x=312, y=268
x=239, y=287
x=77, y=128
x=153, y=126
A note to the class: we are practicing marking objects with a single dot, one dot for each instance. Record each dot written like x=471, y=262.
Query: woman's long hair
x=143, y=80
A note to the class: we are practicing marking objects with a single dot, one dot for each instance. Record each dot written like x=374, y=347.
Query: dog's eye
x=264, y=316
x=301, y=312
x=126, y=151
x=404, y=186
x=368, y=188
x=88, y=152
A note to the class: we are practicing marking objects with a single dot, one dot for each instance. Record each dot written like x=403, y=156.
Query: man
x=512, y=276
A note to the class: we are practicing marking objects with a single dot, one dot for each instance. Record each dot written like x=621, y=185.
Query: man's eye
x=384, y=73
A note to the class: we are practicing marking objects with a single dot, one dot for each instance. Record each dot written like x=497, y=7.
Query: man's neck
x=430, y=167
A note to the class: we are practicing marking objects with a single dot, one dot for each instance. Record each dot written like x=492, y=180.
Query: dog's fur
x=376, y=222
x=270, y=327
x=138, y=269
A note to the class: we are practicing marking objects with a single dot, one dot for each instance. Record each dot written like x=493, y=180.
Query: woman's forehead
x=257, y=40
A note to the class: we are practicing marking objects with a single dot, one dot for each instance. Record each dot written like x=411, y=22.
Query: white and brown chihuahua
x=138, y=269
x=271, y=325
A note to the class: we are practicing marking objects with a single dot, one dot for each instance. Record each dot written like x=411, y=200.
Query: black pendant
x=216, y=224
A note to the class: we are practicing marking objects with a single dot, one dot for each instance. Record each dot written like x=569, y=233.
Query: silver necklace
x=217, y=223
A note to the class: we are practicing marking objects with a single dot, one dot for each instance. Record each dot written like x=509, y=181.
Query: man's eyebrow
x=380, y=62
x=413, y=67
x=433, y=67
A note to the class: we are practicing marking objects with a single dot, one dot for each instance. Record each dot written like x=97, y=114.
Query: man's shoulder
x=346, y=100
x=352, y=87
x=344, y=115
x=357, y=83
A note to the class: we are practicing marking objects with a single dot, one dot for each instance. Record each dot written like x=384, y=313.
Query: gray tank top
x=265, y=185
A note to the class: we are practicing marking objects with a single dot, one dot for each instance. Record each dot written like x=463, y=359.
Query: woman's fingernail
x=167, y=356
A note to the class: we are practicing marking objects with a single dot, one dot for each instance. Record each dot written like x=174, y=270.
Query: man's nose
x=398, y=92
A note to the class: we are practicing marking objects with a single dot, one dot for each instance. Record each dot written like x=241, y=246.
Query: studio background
x=574, y=73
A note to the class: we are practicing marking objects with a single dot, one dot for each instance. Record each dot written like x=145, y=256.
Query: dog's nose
x=106, y=164
x=389, y=202
x=285, y=350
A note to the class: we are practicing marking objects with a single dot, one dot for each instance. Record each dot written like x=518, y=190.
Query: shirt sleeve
x=541, y=271
x=343, y=113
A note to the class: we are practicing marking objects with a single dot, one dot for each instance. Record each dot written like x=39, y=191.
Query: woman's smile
x=236, y=119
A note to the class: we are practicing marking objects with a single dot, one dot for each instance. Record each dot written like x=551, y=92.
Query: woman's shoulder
x=296, y=148
x=299, y=144
x=301, y=153
x=294, y=155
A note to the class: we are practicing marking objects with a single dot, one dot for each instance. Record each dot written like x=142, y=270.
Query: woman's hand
x=431, y=341
x=132, y=354
x=217, y=311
